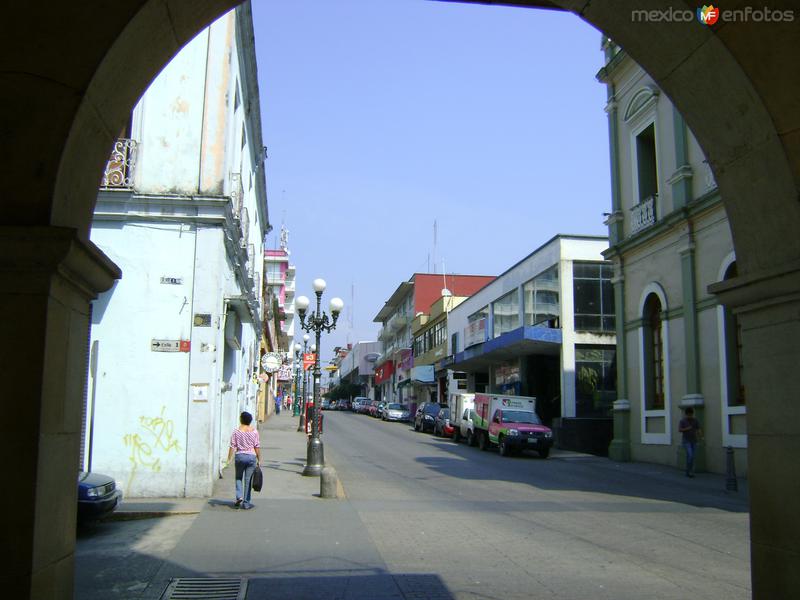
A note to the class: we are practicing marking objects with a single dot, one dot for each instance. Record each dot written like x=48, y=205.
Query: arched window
x=653, y=359
x=733, y=350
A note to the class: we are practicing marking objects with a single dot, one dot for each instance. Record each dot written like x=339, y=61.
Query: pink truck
x=511, y=423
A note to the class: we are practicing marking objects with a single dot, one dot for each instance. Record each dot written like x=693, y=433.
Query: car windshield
x=445, y=414
x=395, y=406
x=432, y=409
x=520, y=416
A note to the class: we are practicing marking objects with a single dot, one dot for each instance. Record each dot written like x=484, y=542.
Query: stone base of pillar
x=620, y=447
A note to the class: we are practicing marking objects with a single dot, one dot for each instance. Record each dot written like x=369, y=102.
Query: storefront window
x=595, y=381
x=594, y=297
x=506, y=313
x=542, y=299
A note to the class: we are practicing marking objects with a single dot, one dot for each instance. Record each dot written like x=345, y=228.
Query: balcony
x=120, y=166
x=398, y=321
x=643, y=215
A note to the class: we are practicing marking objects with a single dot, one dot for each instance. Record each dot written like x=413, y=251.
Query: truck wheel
x=544, y=453
x=483, y=441
x=470, y=437
x=503, y=446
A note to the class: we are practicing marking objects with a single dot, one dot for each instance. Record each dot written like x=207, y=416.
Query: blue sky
x=382, y=116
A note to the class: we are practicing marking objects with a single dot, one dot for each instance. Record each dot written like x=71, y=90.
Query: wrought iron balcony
x=120, y=166
x=643, y=215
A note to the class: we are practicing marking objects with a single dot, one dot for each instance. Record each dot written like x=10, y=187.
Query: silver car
x=396, y=412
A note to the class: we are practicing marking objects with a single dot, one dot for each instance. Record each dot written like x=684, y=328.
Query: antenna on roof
x=434, y=246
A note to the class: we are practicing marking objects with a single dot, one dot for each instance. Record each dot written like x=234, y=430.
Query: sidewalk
x=292, y=545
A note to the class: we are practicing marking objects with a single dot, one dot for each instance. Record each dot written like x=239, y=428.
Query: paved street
x=426, y=518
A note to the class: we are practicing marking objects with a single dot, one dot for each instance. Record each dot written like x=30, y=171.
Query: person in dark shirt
x=690, y=430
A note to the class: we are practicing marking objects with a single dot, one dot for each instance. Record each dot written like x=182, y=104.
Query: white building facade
x=545, y=328
x=175, y=343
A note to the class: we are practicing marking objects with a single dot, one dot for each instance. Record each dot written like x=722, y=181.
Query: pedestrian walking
x=246, y=448
x=278, y=401
x=691, y=432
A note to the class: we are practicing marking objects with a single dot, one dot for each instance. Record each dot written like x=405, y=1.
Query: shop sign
x=384, y=372
x=285, y=373
x=423, y=374
x=406, y=359
x=475, y=333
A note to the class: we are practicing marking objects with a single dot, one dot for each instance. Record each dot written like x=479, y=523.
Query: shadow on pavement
x=587, y=473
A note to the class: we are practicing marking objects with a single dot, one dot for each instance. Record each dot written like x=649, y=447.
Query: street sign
x=271, y=362
x=170, y=345
x=165, y=345
x=308, y=360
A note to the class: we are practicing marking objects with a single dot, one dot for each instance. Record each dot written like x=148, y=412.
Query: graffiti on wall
x=154, y=439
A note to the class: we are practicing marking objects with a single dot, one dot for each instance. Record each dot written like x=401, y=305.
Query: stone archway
x=70, y=74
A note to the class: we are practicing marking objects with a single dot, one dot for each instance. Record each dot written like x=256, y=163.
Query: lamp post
x=317, y=322
x=298, y=365
x=301, y=404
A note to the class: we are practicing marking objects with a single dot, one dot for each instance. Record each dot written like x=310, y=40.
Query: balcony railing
x=643, y=215
x=120, y=166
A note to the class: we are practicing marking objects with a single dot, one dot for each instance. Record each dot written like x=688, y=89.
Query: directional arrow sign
x=165, y=345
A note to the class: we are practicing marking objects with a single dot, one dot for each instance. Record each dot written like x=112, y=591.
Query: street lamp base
x=315, y=458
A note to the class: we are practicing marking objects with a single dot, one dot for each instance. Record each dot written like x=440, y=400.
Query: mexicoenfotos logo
x=708, y=15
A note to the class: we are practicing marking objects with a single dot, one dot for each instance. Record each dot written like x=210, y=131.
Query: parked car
x=426, y=416
x=343, y=404
x=98, y=496
x=396, y=412
x=373, y=408
x=358, y=403
x=442, y=425
x=326, y=404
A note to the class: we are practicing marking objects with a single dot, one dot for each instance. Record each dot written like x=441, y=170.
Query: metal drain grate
x=205, y=588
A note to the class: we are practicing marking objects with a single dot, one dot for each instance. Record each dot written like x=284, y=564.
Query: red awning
x=384, y=371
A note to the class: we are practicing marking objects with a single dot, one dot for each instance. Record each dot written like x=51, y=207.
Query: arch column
x=767, y=304
x=48, y=276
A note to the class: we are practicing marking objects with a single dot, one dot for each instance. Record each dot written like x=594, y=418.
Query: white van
x=462, y=411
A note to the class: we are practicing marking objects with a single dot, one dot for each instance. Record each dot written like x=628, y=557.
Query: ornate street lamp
x=317, y=322
x=301, y=405
x=298, y=365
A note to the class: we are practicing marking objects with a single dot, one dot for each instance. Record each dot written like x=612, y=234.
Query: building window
x=593, y=297
x=653, y=358
x=646, y=169
x=477, y=316
x=595, y=380
x=505, y=311
x=733, y=351
x=542, y=299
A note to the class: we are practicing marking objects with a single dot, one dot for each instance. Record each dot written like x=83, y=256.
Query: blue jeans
x=689, y=447
x=245, y=467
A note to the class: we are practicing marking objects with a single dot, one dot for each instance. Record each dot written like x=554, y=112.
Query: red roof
x=428, y=287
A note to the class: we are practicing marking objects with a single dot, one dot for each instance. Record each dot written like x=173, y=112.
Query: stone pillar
x=768, y=307
x=620, y=447
x=47, y=278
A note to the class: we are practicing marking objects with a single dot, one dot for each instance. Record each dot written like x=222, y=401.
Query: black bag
x=258, y=479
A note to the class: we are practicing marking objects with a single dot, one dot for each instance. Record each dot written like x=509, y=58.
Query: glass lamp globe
x=319, y=285
x=337, y=304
